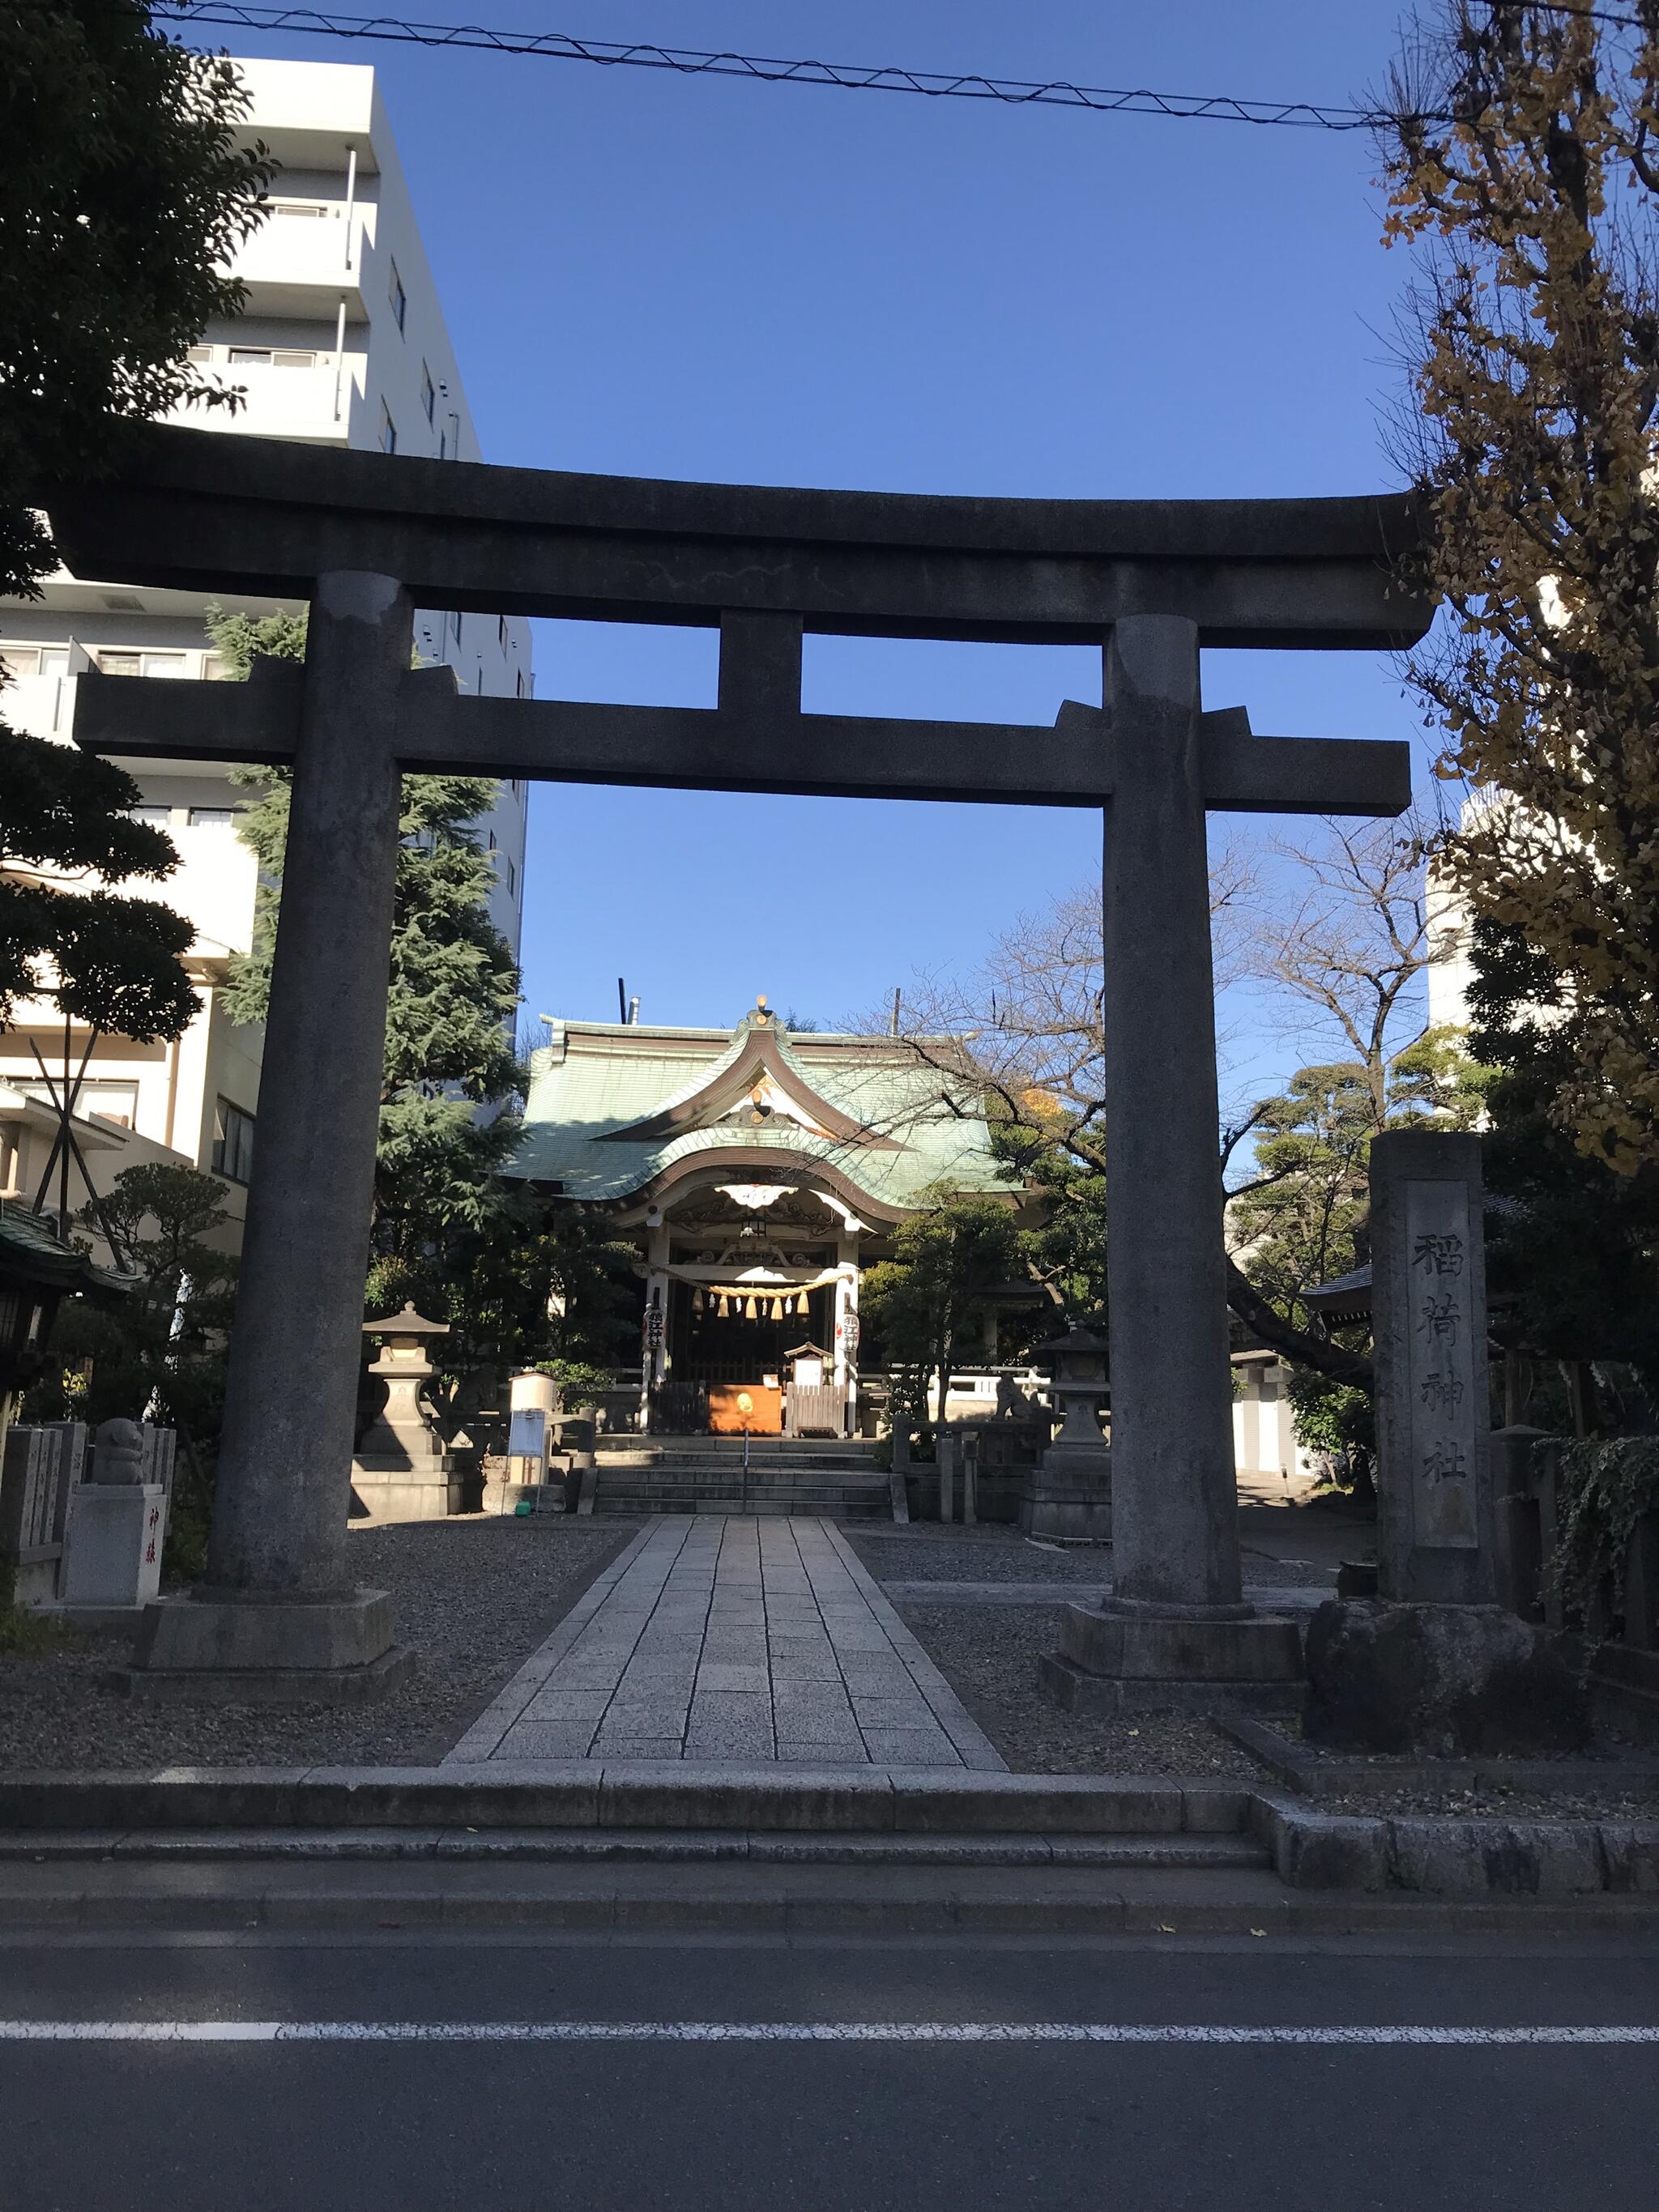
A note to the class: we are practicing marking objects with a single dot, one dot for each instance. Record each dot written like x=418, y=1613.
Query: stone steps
x=706, y=1475
x=761, y=1456
x=695, y=1491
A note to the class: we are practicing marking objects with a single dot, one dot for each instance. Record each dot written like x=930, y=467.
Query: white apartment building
x=342, y=342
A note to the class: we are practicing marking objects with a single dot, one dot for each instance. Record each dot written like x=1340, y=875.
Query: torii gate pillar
x=278, y=1603
x=1176, y=1616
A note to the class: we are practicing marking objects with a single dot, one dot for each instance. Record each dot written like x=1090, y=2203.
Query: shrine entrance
x=365, y=539
x=759, y=1171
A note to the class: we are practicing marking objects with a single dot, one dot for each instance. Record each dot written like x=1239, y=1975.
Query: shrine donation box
x=735, y=1407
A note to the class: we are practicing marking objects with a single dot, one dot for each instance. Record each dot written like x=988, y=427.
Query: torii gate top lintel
x=197, y=510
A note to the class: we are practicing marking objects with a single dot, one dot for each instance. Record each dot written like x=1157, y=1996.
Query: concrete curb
x=592, y=1846
x=1451, y=1857
x=586, y=1809
x=589, y=1794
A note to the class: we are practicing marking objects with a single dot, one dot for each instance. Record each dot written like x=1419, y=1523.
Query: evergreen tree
x=1304, y=1218
x=99, y=956
x=123, y=195
x=454, y=984
x=925, y=1298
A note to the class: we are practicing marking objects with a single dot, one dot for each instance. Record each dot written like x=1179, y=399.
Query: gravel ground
x=927, y=1553
x=1637, y=1802
x=937, y=1554
x=989, y=1653
x=475, y=1595
x=1262, y=1568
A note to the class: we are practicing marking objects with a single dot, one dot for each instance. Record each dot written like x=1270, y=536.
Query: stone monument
x=521, y=1473
x=402, y=1470
x=1433, y=1664
x=1067, y=1495
x=115, y=1528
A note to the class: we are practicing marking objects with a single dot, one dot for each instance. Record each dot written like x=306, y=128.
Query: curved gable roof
x=614, y=1109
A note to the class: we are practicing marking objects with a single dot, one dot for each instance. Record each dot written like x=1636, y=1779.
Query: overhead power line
x=557, y=46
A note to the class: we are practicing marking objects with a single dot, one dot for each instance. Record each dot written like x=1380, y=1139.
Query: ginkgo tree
x=1522, y=163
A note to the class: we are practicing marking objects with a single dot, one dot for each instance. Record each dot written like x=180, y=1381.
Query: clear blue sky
x=656, y=275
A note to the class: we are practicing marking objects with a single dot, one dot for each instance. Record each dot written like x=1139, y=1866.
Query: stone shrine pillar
x=1434, y=1517
x=278, y=1599
x=1176, y=1616
x=1431, y=1664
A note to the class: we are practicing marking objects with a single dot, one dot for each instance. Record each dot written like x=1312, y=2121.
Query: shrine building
x=761, y=1170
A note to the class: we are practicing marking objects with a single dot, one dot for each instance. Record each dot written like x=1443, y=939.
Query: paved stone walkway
x=731, y=1640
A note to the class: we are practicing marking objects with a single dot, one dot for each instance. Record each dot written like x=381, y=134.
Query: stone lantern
x=402, y=1471
x=1068, y=1494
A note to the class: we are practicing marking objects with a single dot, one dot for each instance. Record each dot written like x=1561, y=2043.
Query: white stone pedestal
x=112, y=1544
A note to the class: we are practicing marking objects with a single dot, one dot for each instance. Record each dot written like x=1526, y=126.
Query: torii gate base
x=364, y=537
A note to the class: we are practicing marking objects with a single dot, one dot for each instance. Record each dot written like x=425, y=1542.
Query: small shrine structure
x=762, y=1170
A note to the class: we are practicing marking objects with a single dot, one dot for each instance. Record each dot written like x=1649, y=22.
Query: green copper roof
x=867, y=1106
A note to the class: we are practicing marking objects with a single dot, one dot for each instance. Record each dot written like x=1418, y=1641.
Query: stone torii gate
x=366, y=538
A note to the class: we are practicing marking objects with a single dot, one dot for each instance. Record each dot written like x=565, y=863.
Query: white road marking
x=789, y=2031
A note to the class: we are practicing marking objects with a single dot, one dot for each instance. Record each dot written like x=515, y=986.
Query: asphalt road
x=917, y=2125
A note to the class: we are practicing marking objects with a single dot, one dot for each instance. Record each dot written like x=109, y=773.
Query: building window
x=307, y=209
x=124, y=663
x=501, y=630
x=388, y=431
x=211, y=818
x=233, y=1142
x=272, y=358
x=520, y=682
x=161, y=815
x=512, y=879
x=455, y=624
x=213, y=668
x=398, y=298
x=199, y=353
x=492, y=841
x=429, y=397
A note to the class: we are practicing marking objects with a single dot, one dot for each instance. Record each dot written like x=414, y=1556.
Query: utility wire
x=557, y=46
